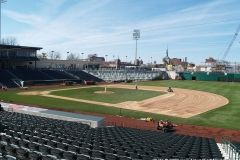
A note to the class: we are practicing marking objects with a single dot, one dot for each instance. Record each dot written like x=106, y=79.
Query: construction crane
x=230, y=44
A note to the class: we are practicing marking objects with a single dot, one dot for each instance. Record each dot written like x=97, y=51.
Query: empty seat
x=34, y=155
x=98, y=154
x=69, y=155
x=49, y=157
x=45, y=149
x=57, y=152
x=22, y=154
x=83, y=157
x=33, y=137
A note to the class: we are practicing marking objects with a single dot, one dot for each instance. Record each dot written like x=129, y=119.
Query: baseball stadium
x=115, y=113
x=95, y=107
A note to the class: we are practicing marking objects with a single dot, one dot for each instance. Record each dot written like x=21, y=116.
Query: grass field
x=224, y=117
x=119, y=95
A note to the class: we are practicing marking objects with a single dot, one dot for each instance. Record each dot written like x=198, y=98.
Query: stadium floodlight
x=136, y=36
x=106, y=57
x=1, y=1
x=82, y=55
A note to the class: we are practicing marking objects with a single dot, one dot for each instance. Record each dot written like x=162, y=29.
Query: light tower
x=1, y=1
x=136, y=36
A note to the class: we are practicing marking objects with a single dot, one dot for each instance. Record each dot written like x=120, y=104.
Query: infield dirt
x=182, y=103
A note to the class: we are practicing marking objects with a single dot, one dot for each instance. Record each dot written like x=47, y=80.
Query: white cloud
x=24, y=18
x=77, y=29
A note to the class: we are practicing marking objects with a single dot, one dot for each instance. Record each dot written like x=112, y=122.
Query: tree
x=72, y=56
x=42, y=56
x=54, y=55
x=9, y=41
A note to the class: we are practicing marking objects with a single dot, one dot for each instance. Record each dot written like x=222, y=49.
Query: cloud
x=29, y=19
x=92, y=26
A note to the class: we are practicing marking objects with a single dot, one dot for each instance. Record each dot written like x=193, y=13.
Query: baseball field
x=215, y=104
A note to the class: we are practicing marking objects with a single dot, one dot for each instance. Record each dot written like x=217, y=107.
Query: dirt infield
x=182, y=103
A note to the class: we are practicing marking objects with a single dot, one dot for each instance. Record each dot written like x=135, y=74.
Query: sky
x=188, y=28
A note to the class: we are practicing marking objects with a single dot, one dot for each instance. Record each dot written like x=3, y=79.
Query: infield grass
x=227, y=116
x=119, y=95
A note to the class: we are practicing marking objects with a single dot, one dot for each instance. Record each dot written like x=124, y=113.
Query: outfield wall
x=210, y=76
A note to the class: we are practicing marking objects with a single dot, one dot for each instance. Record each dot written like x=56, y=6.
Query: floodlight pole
x=1, y=1
x=136, y=51
x=136, y=36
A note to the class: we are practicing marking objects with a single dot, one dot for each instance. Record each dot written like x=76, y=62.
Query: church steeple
x=166, y=59
x=167, y=52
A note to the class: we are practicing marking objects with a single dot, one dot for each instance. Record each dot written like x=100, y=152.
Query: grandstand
x=18, y=67
x=13, y=78
x=7, y=79
x=128, y=74
x=32, y=137
x=85, y=76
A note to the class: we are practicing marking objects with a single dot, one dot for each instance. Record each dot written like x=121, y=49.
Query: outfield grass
x=224, y=117
x=119, y=95
x=227, y=116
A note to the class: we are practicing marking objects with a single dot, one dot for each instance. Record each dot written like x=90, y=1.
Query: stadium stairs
x=32, y=137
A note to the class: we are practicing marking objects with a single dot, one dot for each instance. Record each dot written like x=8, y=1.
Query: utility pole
x=1, y=1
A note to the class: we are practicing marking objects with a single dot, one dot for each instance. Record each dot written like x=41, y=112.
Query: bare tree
x=9, y=41
x=54, y=55
x=72, y=56
x=42, y=56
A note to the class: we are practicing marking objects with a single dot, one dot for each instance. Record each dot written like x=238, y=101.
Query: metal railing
x=231, y=149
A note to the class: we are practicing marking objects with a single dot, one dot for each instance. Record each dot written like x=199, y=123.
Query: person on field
x=149, y=119
x=160, y=124
x=170, y=89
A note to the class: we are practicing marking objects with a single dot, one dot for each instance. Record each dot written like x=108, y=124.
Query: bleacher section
x=86, y=76
x=37, y=138
x=6, y=79
x=56, y=74
x=29, y=74
x=122, y=75
x=44, y=76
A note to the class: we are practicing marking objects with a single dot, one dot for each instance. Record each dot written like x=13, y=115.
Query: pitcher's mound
x=103, y=92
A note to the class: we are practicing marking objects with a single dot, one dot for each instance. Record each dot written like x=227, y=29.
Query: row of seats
x=55, y=74
x=86, y=76
x=7, y=79
x=36, y=138
x=7, y=76
x=122, y=75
